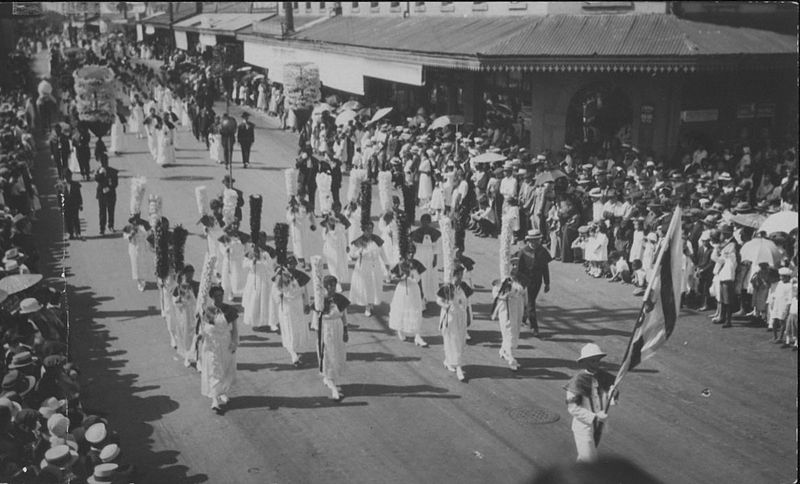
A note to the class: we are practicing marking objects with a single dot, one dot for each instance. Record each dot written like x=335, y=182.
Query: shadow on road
x=274, y=403
x=415, y=391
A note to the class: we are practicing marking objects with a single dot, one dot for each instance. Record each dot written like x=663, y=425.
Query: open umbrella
x=245, y=69
x=260, y=76
x=780, y=222
x=321, y=108
x=19, y=282
x=381, y=113
x=549, y=176
x=446, y=120
x=343, y=118
x=487, y=158
x=760, y=250
x=352, y=105
x=752, y=220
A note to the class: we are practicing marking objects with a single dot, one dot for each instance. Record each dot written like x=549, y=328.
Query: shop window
x=321, y=6
x=447, y=7
x=308, y=6
x=374, y=7
x=354, y=6
x=394, y=6
x=296, y=5
x=517, y=5
x=480, y=6
x=419, y=6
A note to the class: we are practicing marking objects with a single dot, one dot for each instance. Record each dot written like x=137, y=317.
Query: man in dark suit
x=60, y=149
x=107, y=179
x=704, y=270
x=206, y=122
x=245, y=133
x=72, y=203
x=308, y=166
x=533, y=271
x=194, y=117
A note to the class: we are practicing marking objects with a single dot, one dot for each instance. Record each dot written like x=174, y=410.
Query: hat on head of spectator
x=13, y=407
x=106, y=472
x=29, y=305
x=596, y=192
x=96, y=433
x=60, y=456
x=785, y=271
x=14, y=381
x=58, y=425
x=110, y=452
x=21, y=360
x=725, y=177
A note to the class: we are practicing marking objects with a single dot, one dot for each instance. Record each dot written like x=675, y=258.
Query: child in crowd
x=620, y=271
x=761, y=282
x=779, y=303
x=639, y=277
x=579, y=244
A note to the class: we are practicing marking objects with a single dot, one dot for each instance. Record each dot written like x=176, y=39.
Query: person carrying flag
x=588, y=393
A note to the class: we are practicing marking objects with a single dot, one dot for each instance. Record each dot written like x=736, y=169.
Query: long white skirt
x=334, y=356
x=367, y=283
x=233, y=273
x=454, y=336
x=217, y=363
x=170, y=311
x=152, y=144
x=287, y=313
x=255, y=298
x=117, y=137
x=425, y=254
x=405, y=313
x=335, y=252
x=425, y=189
x=185, y=324
x=166, y=149
x=137, y=257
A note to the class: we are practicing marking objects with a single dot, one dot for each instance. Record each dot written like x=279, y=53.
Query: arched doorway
x=599, y=117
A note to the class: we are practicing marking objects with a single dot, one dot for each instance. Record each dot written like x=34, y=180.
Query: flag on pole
x=662, y=301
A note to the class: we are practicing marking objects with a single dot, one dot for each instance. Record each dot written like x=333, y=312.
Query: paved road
x=405, y=418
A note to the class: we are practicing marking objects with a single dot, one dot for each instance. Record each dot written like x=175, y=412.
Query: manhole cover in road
x=533, y=415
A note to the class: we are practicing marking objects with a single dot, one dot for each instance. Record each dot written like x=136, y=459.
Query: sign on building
x=699, y=115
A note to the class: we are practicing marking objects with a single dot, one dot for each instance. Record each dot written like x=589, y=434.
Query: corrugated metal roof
x=182, y=10
x=460, y=35
x=637, y=35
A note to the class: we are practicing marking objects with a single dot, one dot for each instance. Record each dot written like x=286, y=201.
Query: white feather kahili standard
x=201, y=197
x=316, y=283
x=229, y=200
x=385, y=190
x=448, y=246
x=506, y=241
x=357, y=176
x=209, y=263
x=154, y=207
x=138, y=187
x=290, y=176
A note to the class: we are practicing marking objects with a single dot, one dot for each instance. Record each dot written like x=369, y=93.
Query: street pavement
x=405, y=418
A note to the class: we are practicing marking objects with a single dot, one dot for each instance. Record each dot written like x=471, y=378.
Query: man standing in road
x=245, y=133
x=107, y=179
x=533, y=271
x=60, y=149
x=72, y=204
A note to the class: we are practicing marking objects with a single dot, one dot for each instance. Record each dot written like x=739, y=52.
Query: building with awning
x=649, y=79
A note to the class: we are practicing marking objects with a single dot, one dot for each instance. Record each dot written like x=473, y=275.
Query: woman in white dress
x=425, y=238
x=453, y=299
x=387, y=227
x=425, y=190
x=405, y=312
x=301, y=222
x=509, y=308
x=219, y=337
x=289, y=311
x=166, y=144
x=255, y=298
x=117, y=136
x=334, y=248
x=331, y=327
x=353, y=215
x=367, y=280
x=178, y=110
x=137, y=119
x=168, y=309
x=184, y=297
x=261, y=104
x=215, y=149
x=136, y=234
x=233, y=272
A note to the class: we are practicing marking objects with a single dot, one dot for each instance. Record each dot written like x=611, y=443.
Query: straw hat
x=533, y=234
x=60, y=456
x=109, y=452
x=29, y=305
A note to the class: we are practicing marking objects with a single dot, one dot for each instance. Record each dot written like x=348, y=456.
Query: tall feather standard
x=385, y=190
x=201, y=198
x=206, y=280
x=403, y=241
x=179, y=236
x=448, y=246
x=507, y=240
x=281, y=233
x=366, y=204
x=138, y=187
x=256, y=202
x=291, y=175
x=161, y=234
x=316, y=283
x=357, y=177
x=229, y=200
x=154, y=208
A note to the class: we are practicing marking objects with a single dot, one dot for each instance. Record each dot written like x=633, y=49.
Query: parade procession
x=511, y=242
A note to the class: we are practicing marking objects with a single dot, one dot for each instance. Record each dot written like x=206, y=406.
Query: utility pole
x=288, y=22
